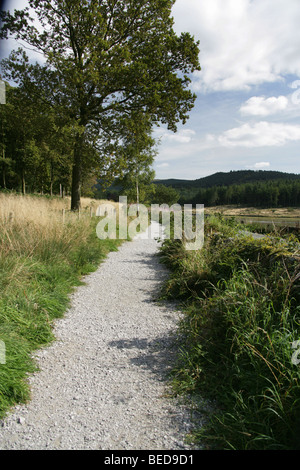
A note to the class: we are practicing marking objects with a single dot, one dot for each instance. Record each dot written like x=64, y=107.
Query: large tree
x=103, y=59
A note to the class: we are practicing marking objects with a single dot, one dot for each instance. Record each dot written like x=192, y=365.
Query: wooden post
x=63, y=215
x=11, y=217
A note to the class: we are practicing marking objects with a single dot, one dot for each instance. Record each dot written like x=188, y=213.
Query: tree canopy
x=102, y=60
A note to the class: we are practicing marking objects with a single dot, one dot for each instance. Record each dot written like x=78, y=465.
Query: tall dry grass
x=42, y=210
x=44, y=251
x=28, y=222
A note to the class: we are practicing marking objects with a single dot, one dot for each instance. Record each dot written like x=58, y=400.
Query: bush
x=241, y=301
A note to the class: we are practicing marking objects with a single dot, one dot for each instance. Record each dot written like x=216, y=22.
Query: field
x=44, y=251
x=287, y=216
x=282, y=212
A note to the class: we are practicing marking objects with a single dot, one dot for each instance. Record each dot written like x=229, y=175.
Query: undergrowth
x=42, y=260
x=240, y=298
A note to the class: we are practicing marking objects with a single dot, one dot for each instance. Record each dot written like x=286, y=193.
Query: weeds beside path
x=103, y=384
x=240, y=332
x=42, y=258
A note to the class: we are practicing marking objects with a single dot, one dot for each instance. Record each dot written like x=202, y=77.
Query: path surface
x=102, y=384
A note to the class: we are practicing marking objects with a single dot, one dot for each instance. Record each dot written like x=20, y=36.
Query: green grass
x=241, y=302
x=39, y=268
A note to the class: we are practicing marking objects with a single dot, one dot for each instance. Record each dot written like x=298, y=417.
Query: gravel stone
x=103, y=383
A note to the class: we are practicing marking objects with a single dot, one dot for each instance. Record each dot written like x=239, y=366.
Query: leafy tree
x=34, y=144
x=18, y=130
x=136, y=156
x=103, y=59
x=165, y=195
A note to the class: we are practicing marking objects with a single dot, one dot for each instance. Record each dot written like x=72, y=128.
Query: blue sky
x=246, y=115
x=247, y=112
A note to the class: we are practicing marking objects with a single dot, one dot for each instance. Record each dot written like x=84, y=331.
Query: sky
x=247, y=111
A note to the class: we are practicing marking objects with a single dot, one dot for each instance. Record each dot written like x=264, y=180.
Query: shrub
x=240, y=296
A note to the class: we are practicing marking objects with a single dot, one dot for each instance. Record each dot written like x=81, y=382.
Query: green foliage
x=231, y=178
x=103, y=61
x=165, y=195
x=36, y=147
x=36, y=280
x=241, y=301
x=253, y=188
x=137, y=155
x=260, y=194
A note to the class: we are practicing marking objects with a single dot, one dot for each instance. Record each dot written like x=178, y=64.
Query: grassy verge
x=43, y=255
x=241, y=298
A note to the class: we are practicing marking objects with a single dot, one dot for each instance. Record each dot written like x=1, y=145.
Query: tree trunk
x=4, y=170
x=23, y=182
x=51, y=179
x=76, y=175
x=137, y=196
x=4, y=177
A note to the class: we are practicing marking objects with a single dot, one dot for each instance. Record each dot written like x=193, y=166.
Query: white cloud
x=242, y=42
x=261, y=106
x=260, y=134
x=260, y=165
x=163, y=165
x=183, y=136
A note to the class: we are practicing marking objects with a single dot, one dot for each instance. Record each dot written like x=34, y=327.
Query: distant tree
x=136, y=156
x=165, y=195
x=212, y=196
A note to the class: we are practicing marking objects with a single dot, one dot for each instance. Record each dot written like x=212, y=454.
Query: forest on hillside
x=274, y=193
x=229, y=178
x=243, y=187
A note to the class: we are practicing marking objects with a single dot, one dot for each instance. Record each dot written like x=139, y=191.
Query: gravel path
x=102, y=384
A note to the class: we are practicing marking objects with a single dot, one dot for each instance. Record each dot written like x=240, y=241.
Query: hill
x=243, y=187
x=230, y=178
